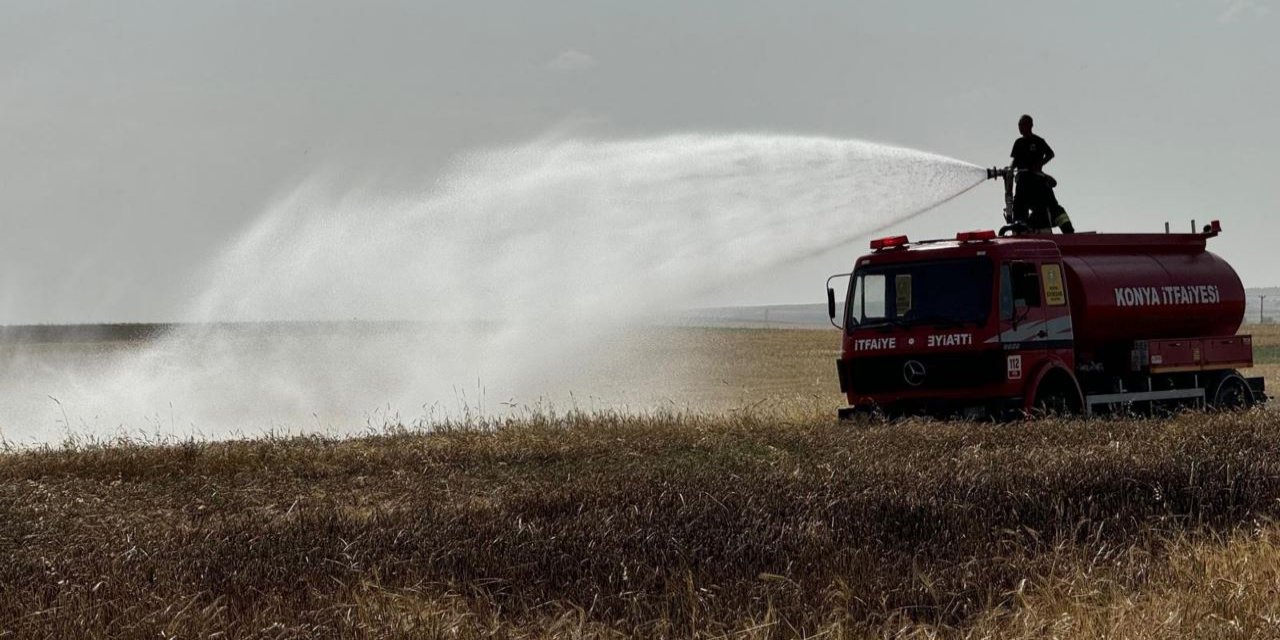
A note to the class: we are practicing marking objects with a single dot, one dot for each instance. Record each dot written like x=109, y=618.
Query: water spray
x=522, y=268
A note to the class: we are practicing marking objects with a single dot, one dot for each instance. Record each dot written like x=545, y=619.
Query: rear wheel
x=1231, y=393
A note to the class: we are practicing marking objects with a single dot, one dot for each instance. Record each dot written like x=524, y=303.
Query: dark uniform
x=1030, y=152
x=1034, y=203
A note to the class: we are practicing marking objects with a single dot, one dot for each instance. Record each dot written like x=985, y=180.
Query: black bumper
x=1259, y=388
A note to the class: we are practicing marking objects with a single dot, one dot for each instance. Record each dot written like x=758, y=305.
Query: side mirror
x=831, y=299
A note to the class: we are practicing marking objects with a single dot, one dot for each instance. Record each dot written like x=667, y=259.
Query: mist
x=498, y=285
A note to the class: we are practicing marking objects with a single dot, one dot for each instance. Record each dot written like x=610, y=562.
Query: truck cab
x=983, y=325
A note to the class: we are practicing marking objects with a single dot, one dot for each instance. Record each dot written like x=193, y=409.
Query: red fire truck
x=994, y=325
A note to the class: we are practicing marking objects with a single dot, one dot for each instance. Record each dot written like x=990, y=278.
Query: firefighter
x=1034, y=203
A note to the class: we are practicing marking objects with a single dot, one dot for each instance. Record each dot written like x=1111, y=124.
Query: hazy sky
x=138, y=138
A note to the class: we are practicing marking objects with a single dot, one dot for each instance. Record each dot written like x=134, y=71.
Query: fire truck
x=1000, y=324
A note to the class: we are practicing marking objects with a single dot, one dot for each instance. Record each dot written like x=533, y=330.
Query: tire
x=1232, y=393
x=1055, y=398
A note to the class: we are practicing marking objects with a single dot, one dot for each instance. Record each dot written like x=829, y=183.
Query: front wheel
x=1055, y=399
x=1232, y=393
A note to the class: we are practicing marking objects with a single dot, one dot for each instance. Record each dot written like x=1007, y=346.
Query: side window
x=853, y=305
x=1026, y=285
x=1025, y=282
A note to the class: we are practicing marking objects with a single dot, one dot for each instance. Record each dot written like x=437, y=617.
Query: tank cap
x=1213, y=228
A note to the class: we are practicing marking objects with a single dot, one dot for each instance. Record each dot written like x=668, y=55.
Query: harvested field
x=771, y=520
x=663, y=526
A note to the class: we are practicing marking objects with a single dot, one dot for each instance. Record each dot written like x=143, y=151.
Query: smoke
x=505, y=279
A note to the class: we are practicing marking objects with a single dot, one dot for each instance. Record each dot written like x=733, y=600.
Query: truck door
x=1022, y=316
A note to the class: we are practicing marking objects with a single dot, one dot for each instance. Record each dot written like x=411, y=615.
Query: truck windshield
x=943, y=292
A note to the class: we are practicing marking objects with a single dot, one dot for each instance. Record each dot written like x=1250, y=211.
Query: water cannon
x=1008, y=173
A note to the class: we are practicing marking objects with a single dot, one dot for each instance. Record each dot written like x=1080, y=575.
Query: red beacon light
x=889, y=243
x=972, y=236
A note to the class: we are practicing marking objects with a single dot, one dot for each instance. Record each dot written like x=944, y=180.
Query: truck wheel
x=1232, y=393
x=1054, y=399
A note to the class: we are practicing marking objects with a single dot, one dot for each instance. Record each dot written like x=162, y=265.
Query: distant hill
x=814, y=316
x=774, y=316
x=777, y=316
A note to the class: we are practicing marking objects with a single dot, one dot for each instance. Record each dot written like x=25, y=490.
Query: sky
x=138, y=139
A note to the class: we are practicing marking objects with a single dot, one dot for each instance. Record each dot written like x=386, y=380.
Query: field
x=740, y=510
x=1266, y=349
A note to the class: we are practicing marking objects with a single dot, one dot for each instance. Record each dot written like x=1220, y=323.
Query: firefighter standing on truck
x=1034, y=203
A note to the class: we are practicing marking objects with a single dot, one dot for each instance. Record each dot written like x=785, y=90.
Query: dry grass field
x=744, y=510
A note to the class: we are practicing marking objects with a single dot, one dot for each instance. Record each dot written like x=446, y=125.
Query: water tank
x=1124, y=287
